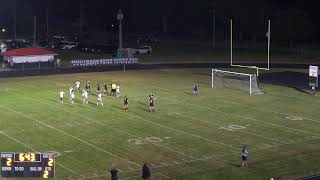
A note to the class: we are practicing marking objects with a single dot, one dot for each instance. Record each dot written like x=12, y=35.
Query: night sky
x=179, y=16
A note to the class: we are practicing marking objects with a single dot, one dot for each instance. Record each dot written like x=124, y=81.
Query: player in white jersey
x=99, y=98
x=78, y=85
x=85, y=96
x=70, y=92
x=61, y=96
x=72, y=97
x=118, y=91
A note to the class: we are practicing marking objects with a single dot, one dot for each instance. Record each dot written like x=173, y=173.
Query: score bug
x=41, y=165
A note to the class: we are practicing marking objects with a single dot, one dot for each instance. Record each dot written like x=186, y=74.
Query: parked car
x=143, y=50
x=97, y=48
x=66, y=45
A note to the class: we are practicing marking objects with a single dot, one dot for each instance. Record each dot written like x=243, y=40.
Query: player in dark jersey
x=88, y=87
x=195, y=90
x=151, y=103
x=105, y=91
x=98, y=88
x=126, y=103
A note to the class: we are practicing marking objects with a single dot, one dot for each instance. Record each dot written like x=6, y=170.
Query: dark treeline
x=291, y=19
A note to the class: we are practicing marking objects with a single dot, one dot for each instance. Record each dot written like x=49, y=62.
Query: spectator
x=114, y=173
x=146, y=174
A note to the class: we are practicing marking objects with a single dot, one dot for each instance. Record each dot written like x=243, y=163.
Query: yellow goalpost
x=268, y=34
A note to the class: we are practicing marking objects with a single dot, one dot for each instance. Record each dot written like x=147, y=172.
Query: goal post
x=234, y=80
x=268, y=35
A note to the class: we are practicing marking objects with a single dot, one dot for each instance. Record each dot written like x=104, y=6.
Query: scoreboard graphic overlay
x=27, y=165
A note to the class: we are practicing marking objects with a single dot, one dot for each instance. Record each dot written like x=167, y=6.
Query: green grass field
x=188, y=137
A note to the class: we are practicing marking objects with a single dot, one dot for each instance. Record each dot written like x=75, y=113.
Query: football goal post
x=233, y=80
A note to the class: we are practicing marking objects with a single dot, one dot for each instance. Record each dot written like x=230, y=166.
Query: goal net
x=233, y=80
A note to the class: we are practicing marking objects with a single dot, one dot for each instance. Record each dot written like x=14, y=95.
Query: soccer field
x=187, y=137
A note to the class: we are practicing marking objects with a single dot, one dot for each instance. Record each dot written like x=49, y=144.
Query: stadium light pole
x=120, y=18
x=214, y=28
x=34, y=30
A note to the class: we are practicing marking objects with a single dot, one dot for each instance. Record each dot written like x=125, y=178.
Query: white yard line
x=180, y=131
x=219, y=156
x=253, y=107
x=267, y=110
x=119, y=130
x=239, y=116
x=69, y=135
x=29, y=147
x=177, y=130
x=253, y=119
x=244, y=117
x=253, y=134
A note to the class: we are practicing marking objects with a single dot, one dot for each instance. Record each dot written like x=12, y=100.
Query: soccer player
x=105, y=91
x=99, y=99
x=195, y=90
x=151, y=103
x=98, y=88
x=70, y=91
x=244, y=155
x=78, y=85
x=88, y=87
x=61, y=96
x=85, y=97
x=72, y=96
x=118, y=90
x=126, y=103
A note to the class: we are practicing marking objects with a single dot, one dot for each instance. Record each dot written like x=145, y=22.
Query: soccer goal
x=233, y=80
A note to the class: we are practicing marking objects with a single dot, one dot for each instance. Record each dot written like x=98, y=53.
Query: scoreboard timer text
x=41, y=165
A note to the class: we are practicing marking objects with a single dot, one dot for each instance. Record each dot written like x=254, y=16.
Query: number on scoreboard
x=26, y=165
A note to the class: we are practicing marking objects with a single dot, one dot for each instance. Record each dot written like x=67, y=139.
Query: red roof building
x=28, y=55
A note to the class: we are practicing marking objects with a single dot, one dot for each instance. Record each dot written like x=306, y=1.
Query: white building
x=28, y=55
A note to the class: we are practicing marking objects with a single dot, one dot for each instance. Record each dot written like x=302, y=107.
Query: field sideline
x=188, y=137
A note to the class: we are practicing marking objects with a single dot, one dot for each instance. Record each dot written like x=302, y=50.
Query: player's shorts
x=151, y=104
x=244, y=158
x=99, y=99
x=61, y=98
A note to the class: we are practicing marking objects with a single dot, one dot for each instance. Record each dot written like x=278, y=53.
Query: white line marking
x=29, y=147
x=125, y=132
x=67, y=134
x=188, y=116
x=248, y=118
x=266, y=110
x=253, y=107
x=167, y=127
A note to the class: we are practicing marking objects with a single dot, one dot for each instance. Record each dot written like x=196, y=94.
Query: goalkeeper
x=195, y=90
